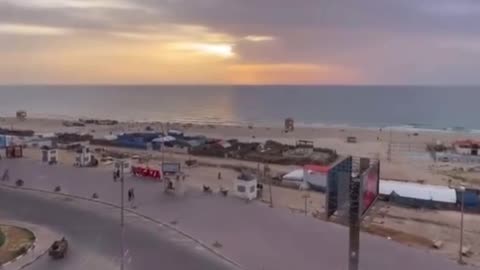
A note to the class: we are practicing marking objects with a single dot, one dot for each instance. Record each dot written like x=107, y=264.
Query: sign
x=170, y=167
x=369, y=189
x=338, y=187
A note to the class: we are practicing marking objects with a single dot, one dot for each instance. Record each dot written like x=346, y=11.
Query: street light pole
x=460, y=251
x=122, y=217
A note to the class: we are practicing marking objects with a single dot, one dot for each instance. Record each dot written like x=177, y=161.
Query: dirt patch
x=399, y=236
x=17, y=242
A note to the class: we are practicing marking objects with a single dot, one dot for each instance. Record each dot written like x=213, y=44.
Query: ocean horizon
x=447, y=108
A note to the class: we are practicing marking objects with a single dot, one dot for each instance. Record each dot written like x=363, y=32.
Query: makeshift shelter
x=245, y=186
x=418, y=195
x=49, y=155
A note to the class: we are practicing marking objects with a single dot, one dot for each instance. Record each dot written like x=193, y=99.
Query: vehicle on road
x=58, y=249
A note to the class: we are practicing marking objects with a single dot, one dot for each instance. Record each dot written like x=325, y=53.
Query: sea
x=446, y=108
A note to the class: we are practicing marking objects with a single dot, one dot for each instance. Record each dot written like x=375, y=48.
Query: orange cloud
x=289, y=74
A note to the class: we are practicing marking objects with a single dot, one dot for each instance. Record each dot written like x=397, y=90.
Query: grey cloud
x=388, y=40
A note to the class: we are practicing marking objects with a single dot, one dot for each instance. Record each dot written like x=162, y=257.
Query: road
x=253, y=234
x=93, y=232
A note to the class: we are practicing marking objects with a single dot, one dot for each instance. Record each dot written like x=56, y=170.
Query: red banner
x=147, y=173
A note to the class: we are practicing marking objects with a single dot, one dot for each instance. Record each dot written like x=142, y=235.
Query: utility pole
x=305, y=197
x=354, y=230
x=266, y=173
x=122, y=216
x=460, y=251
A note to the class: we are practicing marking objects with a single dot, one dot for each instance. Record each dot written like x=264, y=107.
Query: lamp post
x=462, y=203
x=120, y=164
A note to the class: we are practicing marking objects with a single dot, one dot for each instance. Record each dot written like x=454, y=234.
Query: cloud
x=454, y=8
x=77, y=4
x=382, y=40
x=31, y=30
x=289, y=73
x=254, y=38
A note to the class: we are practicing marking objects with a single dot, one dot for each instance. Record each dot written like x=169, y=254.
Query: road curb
x=169, y=226
x=30, y=249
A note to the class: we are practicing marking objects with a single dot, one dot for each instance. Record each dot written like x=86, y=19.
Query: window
x=252, y=189
x=241, y=188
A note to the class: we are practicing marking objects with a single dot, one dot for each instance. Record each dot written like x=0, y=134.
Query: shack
x=245, y=186
x=83, y=157
x=49, y=155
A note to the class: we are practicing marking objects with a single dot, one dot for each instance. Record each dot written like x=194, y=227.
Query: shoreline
x=55, y=125
x=401, y=127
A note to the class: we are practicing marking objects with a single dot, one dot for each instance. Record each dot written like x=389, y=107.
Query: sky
x=240, y=42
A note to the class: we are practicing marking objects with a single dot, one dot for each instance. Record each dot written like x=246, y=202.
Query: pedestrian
x=6, y=175
x=131, y=195
x=219, y=176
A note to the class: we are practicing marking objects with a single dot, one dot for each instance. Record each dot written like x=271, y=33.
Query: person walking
x=131, y=196
x=6, y=175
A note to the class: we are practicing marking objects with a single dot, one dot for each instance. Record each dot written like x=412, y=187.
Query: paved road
x=254, y=235
x=93, y=232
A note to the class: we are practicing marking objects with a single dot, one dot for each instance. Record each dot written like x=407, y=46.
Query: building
x=83, y=157
x=467, y=147
x=49, y=155
x=14, y=151
x=245, y=186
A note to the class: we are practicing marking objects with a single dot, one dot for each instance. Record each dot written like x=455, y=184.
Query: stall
x=245, y=186
x=49, y=155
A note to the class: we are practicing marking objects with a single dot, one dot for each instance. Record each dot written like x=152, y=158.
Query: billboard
x=338, y=186
x=170, y=167
x=369, y=187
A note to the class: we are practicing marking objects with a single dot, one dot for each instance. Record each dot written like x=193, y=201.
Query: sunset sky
x=240, y=41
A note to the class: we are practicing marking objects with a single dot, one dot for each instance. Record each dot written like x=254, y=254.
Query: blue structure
x=136, y=140
x=471, y=199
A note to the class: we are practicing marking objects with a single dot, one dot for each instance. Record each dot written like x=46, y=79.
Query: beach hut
x=245, y=186
x=467, y=147
x=49, y=155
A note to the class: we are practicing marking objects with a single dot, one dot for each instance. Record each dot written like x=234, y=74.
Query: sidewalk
x=43, y=239
x=252, y=234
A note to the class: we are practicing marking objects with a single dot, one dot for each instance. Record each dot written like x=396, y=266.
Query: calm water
x=422, y=107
